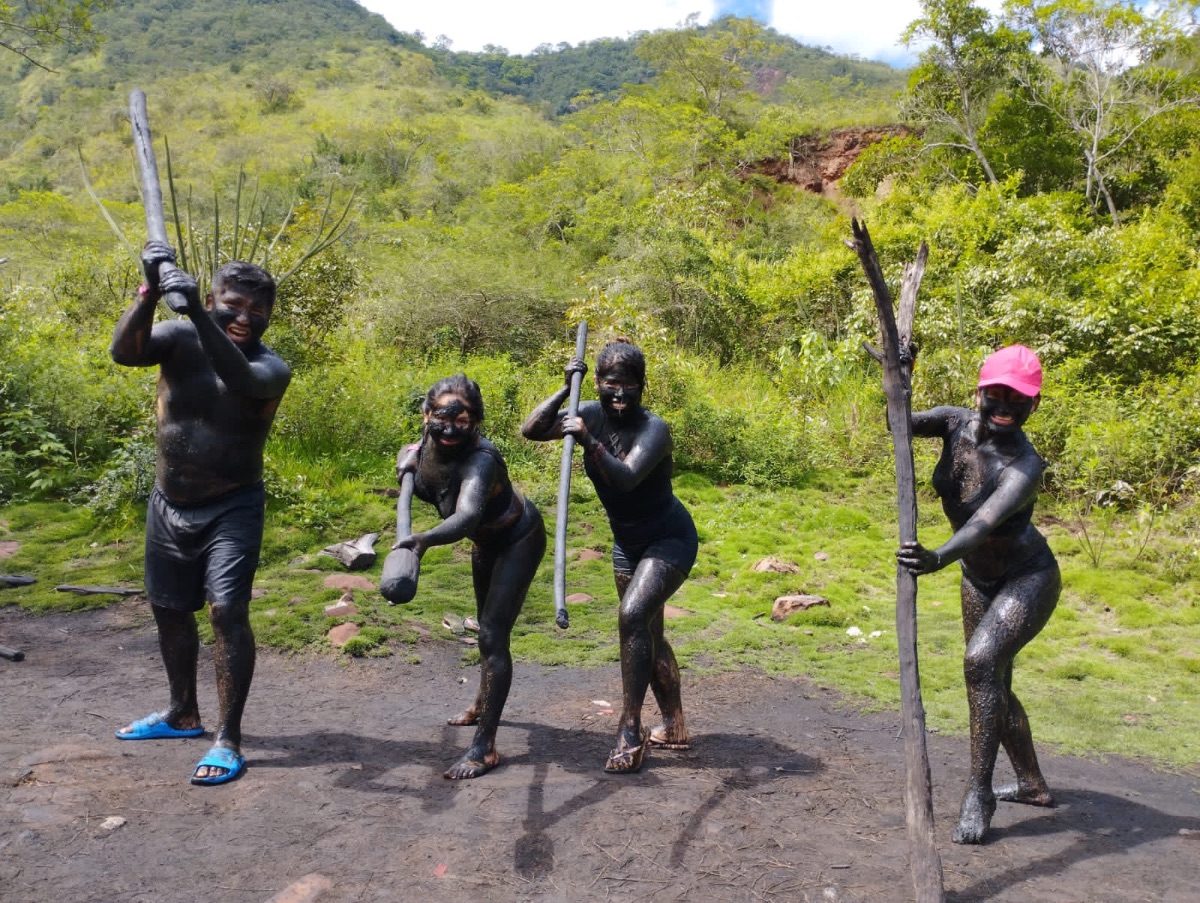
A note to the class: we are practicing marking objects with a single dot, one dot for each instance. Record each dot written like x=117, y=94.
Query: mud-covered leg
x=665, y=684
x=1017, y=613
x=1015, y=734
x=233, y=658
x=652, y=584
x=501, y=581
x=179, y=644
x=1017, y=738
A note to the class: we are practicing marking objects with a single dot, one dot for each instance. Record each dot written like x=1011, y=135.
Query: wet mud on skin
x=785, y=794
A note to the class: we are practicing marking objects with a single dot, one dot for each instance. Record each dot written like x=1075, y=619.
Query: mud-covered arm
x=478, y=472
x=259, y=376
x=652, y=445
x=545, y=423
x=407, y=460
x=135, y=342
x=1015, y=490
x=936, y=422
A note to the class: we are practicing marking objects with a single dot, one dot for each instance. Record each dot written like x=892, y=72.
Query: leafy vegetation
x=646, y=191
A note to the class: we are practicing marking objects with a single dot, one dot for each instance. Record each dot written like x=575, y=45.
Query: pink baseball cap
x=1016, y=367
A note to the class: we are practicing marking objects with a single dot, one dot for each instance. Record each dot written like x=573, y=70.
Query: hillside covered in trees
x=643, y=185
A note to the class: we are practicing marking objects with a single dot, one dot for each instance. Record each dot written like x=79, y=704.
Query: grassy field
x=1115, y=671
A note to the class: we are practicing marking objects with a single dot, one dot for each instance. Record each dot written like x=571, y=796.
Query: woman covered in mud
x=988, y=478
x=463, y=475
x=627, y=456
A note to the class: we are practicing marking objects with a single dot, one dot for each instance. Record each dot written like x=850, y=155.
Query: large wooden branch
x=897, y=359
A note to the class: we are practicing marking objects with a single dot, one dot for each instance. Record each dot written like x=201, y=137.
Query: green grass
x=1114, y=672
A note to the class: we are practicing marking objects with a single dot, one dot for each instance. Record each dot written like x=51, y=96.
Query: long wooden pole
x=561, y=618
x=897, y=360
x=156, y=225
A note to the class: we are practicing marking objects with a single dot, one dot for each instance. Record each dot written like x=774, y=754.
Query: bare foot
x=672, y=735
x=627, y=759
x=975, y=817
x=1029, y=794
x=466, y=767
x=465, y=718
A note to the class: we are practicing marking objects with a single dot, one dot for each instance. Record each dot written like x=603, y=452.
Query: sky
x=865, y=28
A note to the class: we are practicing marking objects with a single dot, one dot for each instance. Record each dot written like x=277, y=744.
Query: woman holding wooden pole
x=627, y=456
x=463, y=475
x=988, y=479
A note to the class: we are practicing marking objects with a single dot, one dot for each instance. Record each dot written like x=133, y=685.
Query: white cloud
x=866, y=28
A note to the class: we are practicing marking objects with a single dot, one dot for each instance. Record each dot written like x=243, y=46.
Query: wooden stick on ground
x=561, y=618
x=99, y=590
x=897, y=360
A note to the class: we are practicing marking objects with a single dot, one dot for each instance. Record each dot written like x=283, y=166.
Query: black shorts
x=671, y=538
x=203, y=552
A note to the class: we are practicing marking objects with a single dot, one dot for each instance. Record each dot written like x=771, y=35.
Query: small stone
x=853, y=631
x=306, y=890
x=257, y=593
x=112, y=823
x=350, y=581
x=821, y=556
x=342, y=634
x=578, y=598
x=340, y=610
x=787, y=605
x=772, y=565
x=295, y=600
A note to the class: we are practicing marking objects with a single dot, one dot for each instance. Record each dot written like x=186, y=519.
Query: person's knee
x=979, y=665
x=493, y=641
x=227, y=616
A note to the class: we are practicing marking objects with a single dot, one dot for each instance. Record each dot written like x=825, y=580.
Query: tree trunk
x=897, y=360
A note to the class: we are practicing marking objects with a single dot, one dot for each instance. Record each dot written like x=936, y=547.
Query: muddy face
x=451, y=425
x=240, y=315
x=620, y=392
x=1004, y=410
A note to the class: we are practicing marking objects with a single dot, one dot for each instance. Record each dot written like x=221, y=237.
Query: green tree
x=705, y=67
x=31, y=27
x=1100, y=75
x=965, y=66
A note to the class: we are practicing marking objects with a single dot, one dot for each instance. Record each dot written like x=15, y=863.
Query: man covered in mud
x=218, y=390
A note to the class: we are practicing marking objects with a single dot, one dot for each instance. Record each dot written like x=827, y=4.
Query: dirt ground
x=785, y=795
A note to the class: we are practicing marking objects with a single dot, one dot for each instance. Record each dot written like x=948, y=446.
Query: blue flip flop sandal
x=231, y=760
x=155, y=727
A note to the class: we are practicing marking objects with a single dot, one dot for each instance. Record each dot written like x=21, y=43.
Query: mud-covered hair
x=622, y=351
x=254, y=279
x=461, y=385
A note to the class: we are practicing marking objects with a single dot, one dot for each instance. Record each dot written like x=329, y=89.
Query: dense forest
x=484, y=202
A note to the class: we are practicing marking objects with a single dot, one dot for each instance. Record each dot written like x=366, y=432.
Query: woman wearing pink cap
x=988, y=479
